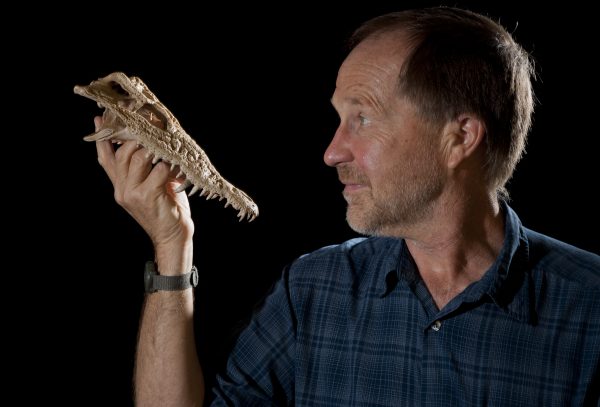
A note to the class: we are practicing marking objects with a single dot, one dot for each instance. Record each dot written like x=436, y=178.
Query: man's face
x=386, y=157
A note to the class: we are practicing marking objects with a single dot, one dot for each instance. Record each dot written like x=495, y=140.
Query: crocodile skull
x=132, y=112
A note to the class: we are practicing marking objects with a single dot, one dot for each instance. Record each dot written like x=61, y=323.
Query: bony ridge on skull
x=132, y=112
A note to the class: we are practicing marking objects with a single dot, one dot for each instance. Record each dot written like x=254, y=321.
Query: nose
x=338, y=151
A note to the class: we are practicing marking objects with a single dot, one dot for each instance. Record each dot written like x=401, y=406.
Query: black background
x=252, y=85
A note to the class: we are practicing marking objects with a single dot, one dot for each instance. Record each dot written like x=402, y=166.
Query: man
x=451, y=301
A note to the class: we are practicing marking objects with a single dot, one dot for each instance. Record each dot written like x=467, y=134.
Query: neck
x=457, y=245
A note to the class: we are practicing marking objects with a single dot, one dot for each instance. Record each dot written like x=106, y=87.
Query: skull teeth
x=183, y=186
x=162, y=142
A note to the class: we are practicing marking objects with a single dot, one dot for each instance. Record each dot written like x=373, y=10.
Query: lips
x=352, y=179
x=353, y=187
x=353, y=184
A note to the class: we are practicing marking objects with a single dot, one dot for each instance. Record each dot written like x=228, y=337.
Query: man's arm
x=168, y=372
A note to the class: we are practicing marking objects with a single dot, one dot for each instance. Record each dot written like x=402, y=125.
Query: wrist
x=174, y=258
x=154, y=282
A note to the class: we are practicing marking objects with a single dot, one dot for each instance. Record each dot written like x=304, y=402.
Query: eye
x=363, y=120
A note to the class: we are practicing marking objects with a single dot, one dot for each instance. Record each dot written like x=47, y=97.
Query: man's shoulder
x=347, y=260
x=360, y=246
x=563, y=260
x=357, y=249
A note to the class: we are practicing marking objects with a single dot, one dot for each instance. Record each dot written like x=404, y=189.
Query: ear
x=461, y=137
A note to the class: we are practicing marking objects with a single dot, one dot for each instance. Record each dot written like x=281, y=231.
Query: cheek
x=375, y=160
x=373, y=151
x=367, y=159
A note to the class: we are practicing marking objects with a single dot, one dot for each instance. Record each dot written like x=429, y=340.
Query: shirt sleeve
x=260, y=369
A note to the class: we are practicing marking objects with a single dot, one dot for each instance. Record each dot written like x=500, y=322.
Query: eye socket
x=363, y=120
x=118, y=89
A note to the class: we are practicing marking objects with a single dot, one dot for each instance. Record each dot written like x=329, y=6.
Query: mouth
x=353, y=179
x=352, y=187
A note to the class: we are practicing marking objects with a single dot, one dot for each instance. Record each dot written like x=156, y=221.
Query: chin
x=374, y=221
x=360, y=222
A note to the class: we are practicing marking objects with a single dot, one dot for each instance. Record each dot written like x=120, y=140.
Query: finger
x=106, y=158
x=159, y=176
x=106, y=152
x=181, y=199
x=139, y=167
x=97, y=123
x=123, y=158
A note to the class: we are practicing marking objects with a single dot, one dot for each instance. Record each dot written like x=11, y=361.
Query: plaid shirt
x=354, y=325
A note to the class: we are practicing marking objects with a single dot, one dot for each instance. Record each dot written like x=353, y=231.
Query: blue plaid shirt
x=354, y=325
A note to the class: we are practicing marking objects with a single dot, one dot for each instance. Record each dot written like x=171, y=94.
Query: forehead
x=371, y=69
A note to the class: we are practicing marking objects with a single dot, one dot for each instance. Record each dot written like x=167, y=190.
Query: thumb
x=97, y=123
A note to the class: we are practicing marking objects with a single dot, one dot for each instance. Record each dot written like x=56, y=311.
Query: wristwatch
x=154, y=282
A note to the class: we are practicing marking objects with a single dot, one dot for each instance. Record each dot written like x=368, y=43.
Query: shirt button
x=436, y=325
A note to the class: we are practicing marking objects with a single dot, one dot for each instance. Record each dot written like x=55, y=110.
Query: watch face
x=194, y=276
x=149, y=273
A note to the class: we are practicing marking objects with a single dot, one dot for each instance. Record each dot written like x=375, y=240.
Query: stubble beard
x=398, y=205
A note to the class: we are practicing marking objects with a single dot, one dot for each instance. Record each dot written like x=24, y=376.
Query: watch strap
x=155, y=282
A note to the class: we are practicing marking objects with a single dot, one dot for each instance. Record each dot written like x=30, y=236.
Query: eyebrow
x=353, y=101
x=360, y=101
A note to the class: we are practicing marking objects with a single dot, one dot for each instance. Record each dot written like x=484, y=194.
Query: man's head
x=415, y=73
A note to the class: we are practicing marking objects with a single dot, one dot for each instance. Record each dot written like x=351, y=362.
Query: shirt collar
x=510, y=283
x=395, y=255
x=506, y=282
x=398, y=264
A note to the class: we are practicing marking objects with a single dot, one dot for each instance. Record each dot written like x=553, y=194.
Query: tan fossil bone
x=132, y=112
